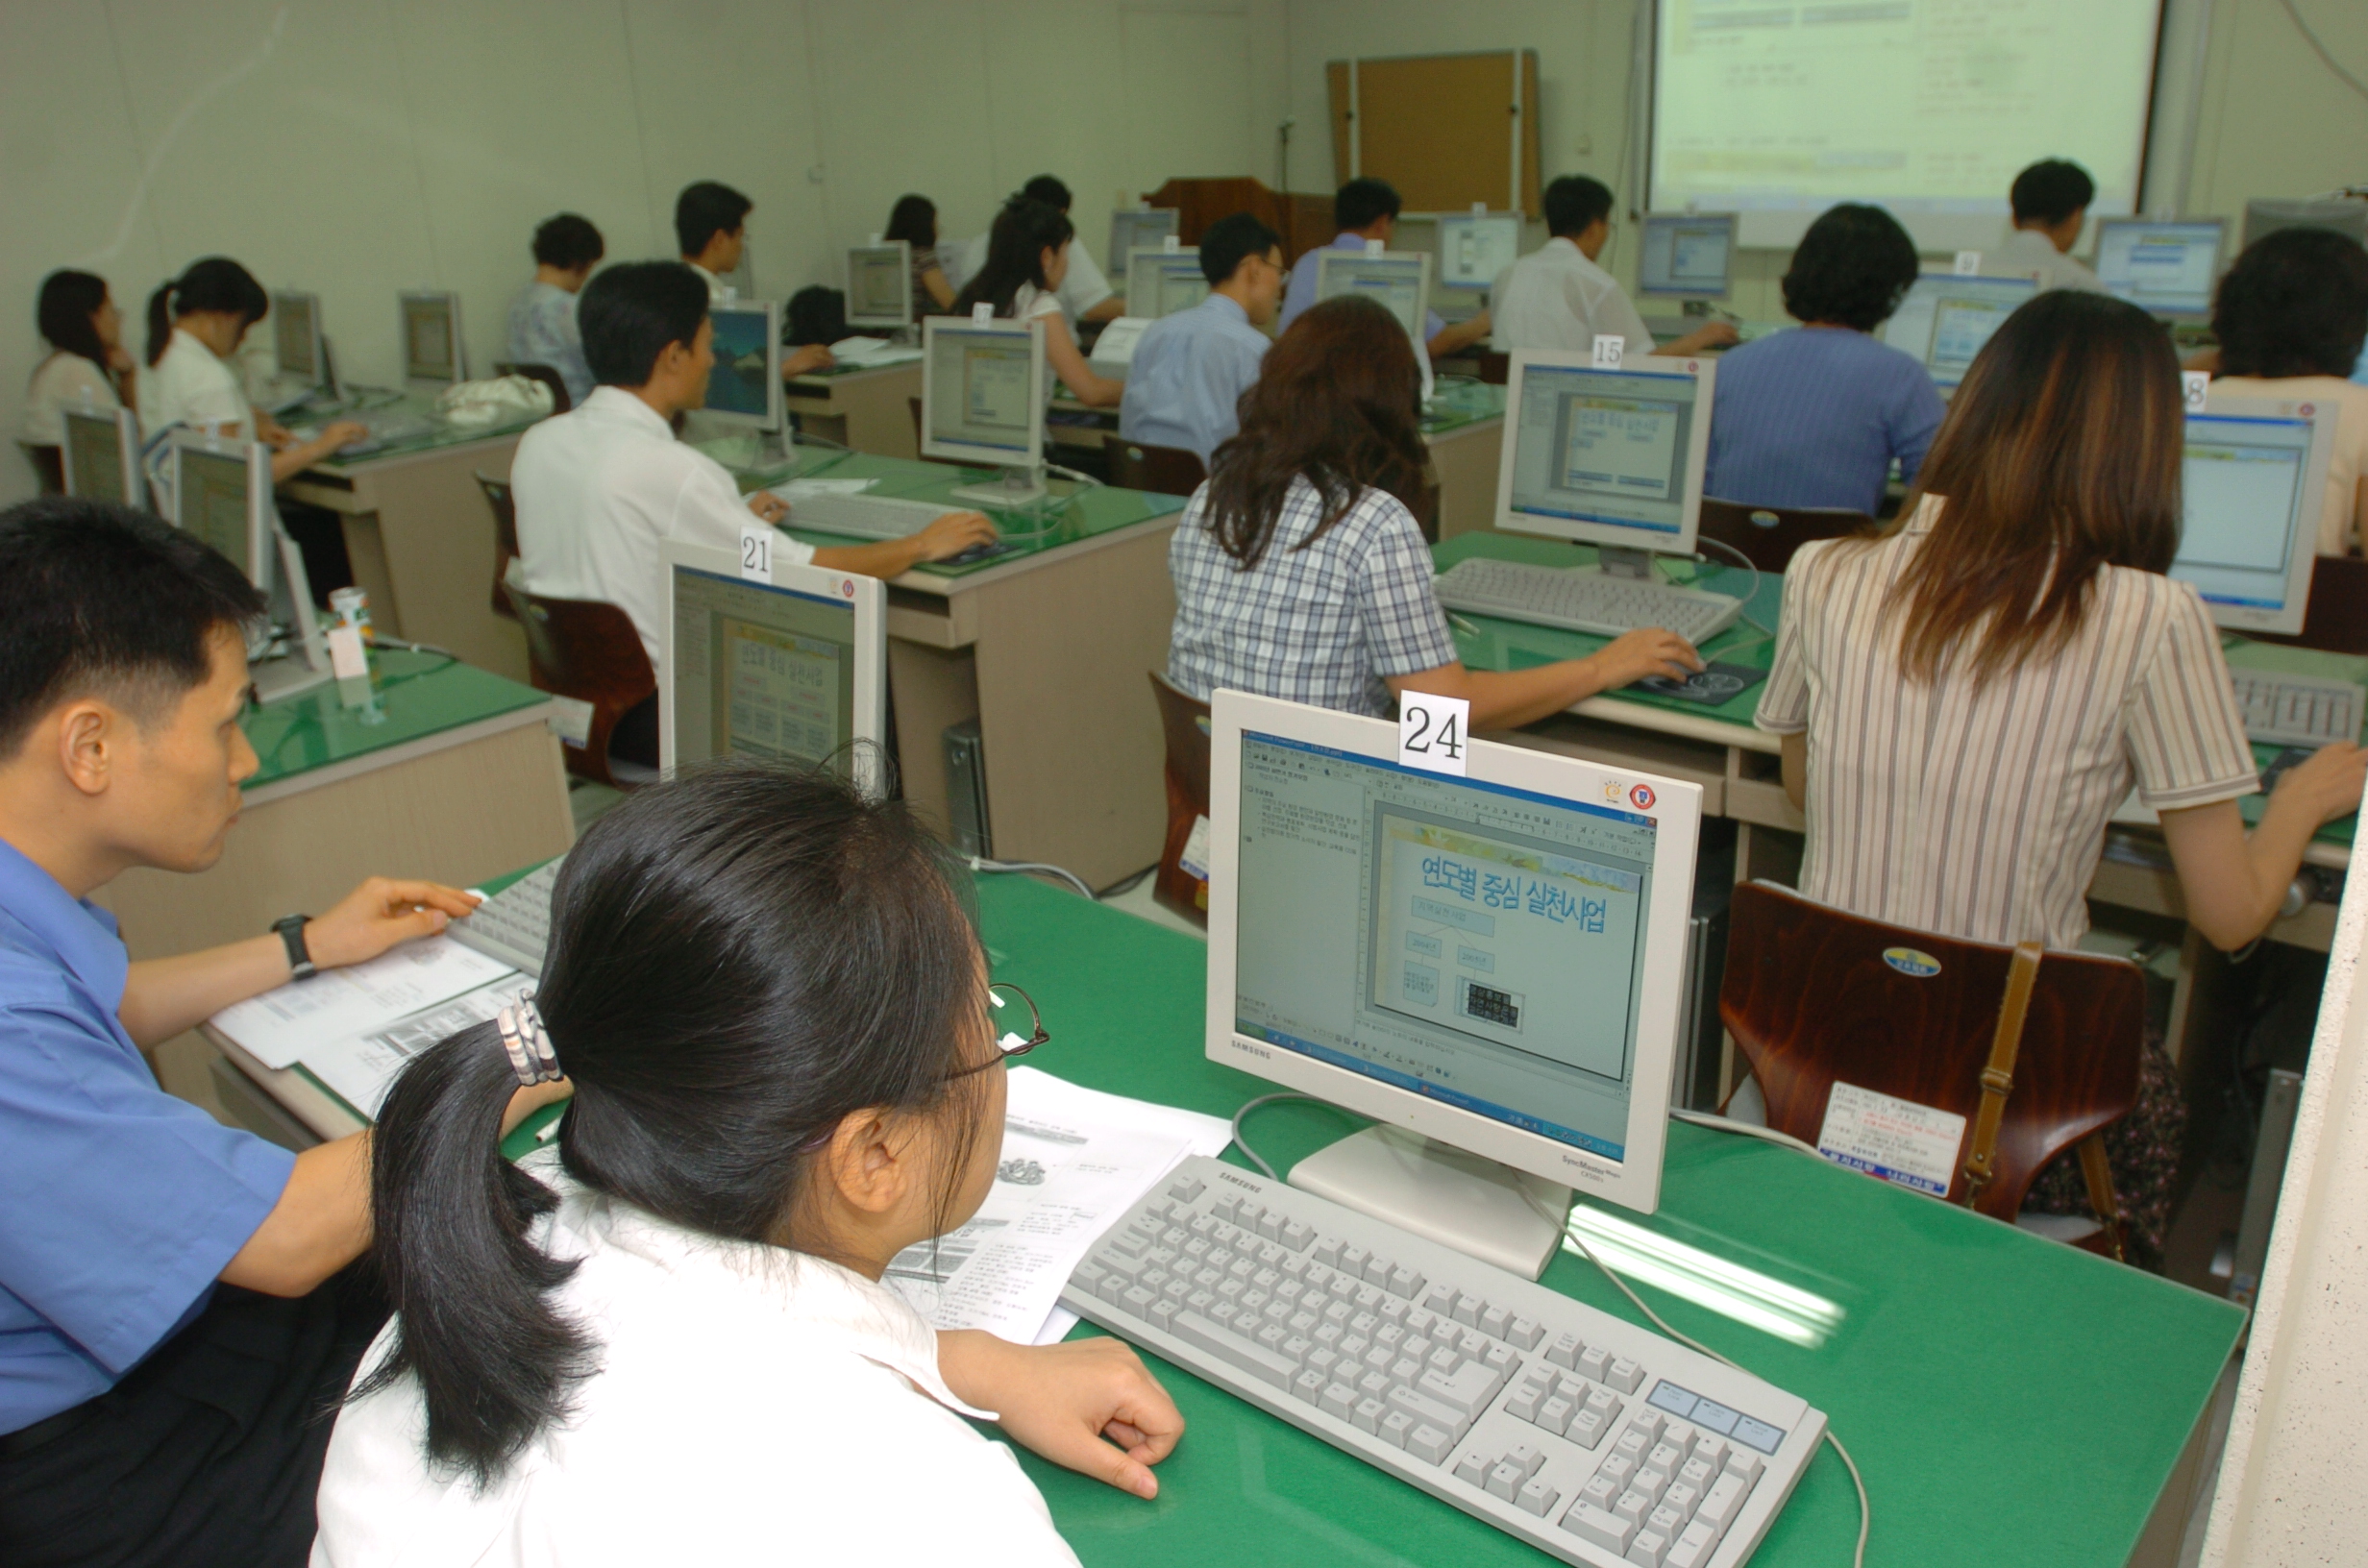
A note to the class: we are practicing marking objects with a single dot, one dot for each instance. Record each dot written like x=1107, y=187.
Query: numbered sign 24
x=1434, y=733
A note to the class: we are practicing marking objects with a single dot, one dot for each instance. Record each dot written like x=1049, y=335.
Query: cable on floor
x=1033, y=867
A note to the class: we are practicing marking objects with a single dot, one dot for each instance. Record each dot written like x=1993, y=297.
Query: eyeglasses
x=1009, y=1042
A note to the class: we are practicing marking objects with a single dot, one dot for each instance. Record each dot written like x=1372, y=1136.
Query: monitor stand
x=1491, y=1211
x=1021, y=486
x=285, y=674
x=1624, y=561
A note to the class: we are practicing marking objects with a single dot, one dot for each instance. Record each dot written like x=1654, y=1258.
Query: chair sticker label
x=1907, y=1144
x=1194, y=860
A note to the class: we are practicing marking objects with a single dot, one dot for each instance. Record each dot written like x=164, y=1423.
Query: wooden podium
x=1304, y=221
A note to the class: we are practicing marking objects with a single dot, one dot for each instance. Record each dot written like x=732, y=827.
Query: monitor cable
x=980, y=863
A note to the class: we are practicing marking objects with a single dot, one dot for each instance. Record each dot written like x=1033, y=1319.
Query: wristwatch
x=291, y=929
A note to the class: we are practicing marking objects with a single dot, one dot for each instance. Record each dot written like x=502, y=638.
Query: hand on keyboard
x=954, y=533
x=2329, y=783
x=1647, y=650
x=1087, y=1405
x=768, y=506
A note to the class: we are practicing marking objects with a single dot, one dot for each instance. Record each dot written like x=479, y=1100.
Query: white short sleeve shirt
x=189, y=386
x=66, y=380
x=1555, y=298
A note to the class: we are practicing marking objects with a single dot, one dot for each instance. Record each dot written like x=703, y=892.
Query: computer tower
x=965, y=789
x=1694, y=1073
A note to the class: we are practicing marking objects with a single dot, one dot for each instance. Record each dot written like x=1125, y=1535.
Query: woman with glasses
x=665, y=1338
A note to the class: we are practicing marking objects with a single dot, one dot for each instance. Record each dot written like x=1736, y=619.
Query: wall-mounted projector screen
x=1778, y=109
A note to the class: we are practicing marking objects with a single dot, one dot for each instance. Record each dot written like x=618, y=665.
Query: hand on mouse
x=1087, y=1404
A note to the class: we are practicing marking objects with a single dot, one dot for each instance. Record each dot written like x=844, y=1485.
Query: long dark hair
x=914, y=221
x=1024, y=230
x=2060, y=456
x=739, y=959
x=215, y=283
x=69, y=300
x=1336, y=402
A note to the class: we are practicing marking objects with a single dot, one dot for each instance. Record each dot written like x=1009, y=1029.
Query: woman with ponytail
x=664, y=1339
x=195, y=325
x=1027, y=256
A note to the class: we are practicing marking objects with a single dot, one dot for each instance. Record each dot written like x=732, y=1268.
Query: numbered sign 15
x=1609, y=348
x=1434, y=733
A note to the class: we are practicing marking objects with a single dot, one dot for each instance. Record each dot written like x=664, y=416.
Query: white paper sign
x=1609, y=348
x=981, y=313
x=1906, y=1143
x=757, y=555
x=347, y=660
x=2196, y=384
x=1195, y=859
x=1433, y=732
x=1968, y=263
x=1479, y=209
x=571, y=719
x=1374, y=247
x=1170, y=244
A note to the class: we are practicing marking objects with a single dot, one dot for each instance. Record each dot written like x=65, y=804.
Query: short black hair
x=2295, y=303
x=1047, y=189
x=568, y=242
x=1573, y=203
x=1854, y=267
x=1226, y=242
x=2051, y=190
x=1362, y=203
x=704, y=211
x=102, y=599
x=628, y=313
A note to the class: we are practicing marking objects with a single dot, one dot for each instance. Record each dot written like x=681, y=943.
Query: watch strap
x=291, y=929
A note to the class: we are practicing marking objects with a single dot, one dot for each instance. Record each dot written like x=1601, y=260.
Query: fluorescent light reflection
x=1749, y=1297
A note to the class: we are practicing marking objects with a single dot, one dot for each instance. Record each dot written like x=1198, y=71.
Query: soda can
x=351, y=608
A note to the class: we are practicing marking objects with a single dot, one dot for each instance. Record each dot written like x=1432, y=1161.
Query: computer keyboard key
x=1587, y=1428
x=1555, y=1415
x=1368, y=1415
x=1594, y=1362
x=1692, y=1548
x=1651, y=1549
x=1632, y=1504
x=1599, y=1527
x=1473, y=1468
x=1468, y=1388
x=1208, y=1334
x=1721, y=1503
x=1565, y=1350
x=1538, y=1498
x=1624, y=1375
x=1397, y=1427
x=1423, y=1409
x=1308, y=1387
x=1339, y=1399
x=1697, y=1474
x=1526, y=1333
x=1506, y=1481
x=1743, y=1465
x=1428, y=1443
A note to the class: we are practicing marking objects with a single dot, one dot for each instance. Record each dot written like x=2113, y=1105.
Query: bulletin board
x=1447, y=129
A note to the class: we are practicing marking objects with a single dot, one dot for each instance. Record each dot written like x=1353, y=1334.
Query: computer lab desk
x=2009, y=1400
x=420, y=534
x=1738, y=764
x=870, y=410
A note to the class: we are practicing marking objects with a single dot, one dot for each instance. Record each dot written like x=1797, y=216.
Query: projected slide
x=1778, y=109
x=784, y=692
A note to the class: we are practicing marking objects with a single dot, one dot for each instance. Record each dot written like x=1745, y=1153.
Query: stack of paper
x=869, y=352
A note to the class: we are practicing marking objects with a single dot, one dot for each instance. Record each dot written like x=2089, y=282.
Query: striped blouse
x=1976, y=809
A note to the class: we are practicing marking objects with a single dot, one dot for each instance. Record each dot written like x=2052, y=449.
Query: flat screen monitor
x=296, y=337
x=1495, y=962
x=2253, y=480
x=744, y=387
x=1688, y=255
x=2167, y=268
x=1400, y=280
x=879, y=284
x=101, y=456
x=2266, y=216
x=1945, y=319
x=1606, y=457
x=1474, y=248
x=1144, y=229
x=222, y=494
x=982, y=391
x=431, y=347
x=791, y=670
x=1162, y=282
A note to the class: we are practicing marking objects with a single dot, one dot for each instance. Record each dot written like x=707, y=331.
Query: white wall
x=358, y=147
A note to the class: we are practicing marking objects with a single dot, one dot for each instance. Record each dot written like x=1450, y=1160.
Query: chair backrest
x=560, y=402
x=48, y=466
x=589, y=651
x=1817, y=996
x=1170, y=471
x=1496, y=366
x=1769, y=535
x=504, y=537
x=2336, y=618
x=1184, y=722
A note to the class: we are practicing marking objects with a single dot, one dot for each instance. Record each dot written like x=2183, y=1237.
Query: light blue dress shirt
x=1303, y=290
x=1814, y=417
x=1187, y=376
x=119, y=1203
x=543, y=331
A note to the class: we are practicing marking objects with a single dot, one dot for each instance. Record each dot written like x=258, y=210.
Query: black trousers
x=208, y=1453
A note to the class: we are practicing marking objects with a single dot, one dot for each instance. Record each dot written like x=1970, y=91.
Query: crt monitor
x=2253, y=482
x=101, y=456
x=1162, y=282
x=222, y=494
x=983, y=389
x=2267, y=215
x=296, y=337
x=1606, y=457
x=744, y=387
x=879, y=284
x=1399, y=279
x=793, y=669
x=2164, y=267
x=1946, y=318
x=1474, y=248
x=1145, y=228
x=431, y=347
x=1688, y=255
x=1492, y=963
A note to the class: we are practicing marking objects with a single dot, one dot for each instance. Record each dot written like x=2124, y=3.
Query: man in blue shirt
x=542, y=320
x=1191, y=367
x=174, y=1310
x=1363, y=209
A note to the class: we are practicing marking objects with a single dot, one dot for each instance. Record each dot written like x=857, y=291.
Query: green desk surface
x=1488, y=642
x=1456, y=402
x=418, y=694
x=364, y=403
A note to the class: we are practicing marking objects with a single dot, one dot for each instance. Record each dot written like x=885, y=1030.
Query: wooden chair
x=1496, y=366
x=2335, y=619
x=48, y=466
x=1769, y=535
x=589, y=651
x=504, y=538
x=560, y=402
x=1167, y=471
x=1815, y=996
x=1184, y=720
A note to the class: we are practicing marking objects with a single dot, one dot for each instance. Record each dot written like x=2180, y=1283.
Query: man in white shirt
x=2051, y=203
x=597, y=488
x=1558, y=298
x=711, y=226
x=1085, y=293
x=1363, y=210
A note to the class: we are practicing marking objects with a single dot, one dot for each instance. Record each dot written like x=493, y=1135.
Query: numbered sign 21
x=757, y=555
x=1434, y=733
